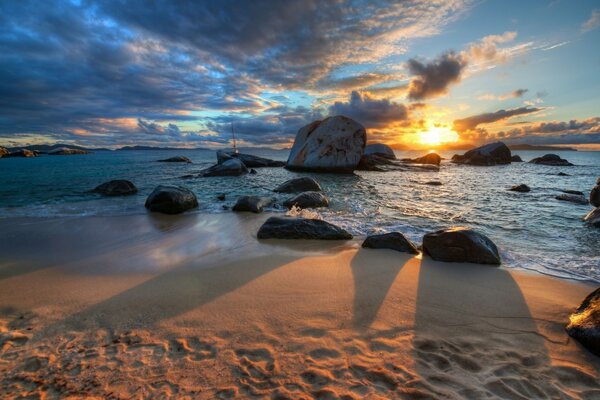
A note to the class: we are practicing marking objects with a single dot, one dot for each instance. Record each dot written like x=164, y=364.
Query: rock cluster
x=551, y=159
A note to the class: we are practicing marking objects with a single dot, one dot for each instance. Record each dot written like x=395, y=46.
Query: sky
x=415, y=73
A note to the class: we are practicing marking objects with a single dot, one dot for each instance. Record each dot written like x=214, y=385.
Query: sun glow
x=437, y=135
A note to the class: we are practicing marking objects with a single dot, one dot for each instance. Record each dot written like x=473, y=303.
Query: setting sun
x=437, y=135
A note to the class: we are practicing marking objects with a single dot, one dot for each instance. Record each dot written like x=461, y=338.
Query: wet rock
x=595, y=195
x=307, y=200
x=65, y=151
x=593, y=217
x=221, y=197
x=461, y=245
x=393, y=240
x=249, y=160
x=584, y=323
x=490, y=154
x=180, y=159
x=233, y=167
x=573, y=198
x=434, y=183
x=562, y=174
x=373, y=162
x=577, y=192
x=171, y=200
x=523, y=188
x=23, y=153
x=381, y=150
x=254, y=204
x=4, y=151
x=550, y=159
x=516, y=158
x=304, y=184
x=253, y=171
x=335, y=144
x=301, y=228
x=116, y=187
x=431, y=158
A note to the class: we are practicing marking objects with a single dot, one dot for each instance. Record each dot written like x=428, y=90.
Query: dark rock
x=373, y=162
x=381, y=150
x=490, y=154
x=117, y=187
x=434, y=183
x=304, y=184
x=301, y=228
x=254, y=204
x=550, y=159
x=523, y=188
x=431, y=158
x=562, y=174
x=573, y=198
x=307, y=200
x=233, y=167
x=4, y=151
x=584, y=323
x=188, y=176
x=65, y=151
x=23, y=153
x=221, y=197
x=393, y=240
x=595, y=195
x=577, y=192
x=593, y=217
x=516, y=158
x=249, y=160
x=461, y=245
x=180, y=159
x=253, y=171
x=171, y=200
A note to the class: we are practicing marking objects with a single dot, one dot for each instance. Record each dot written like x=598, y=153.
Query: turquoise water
x=533, y=230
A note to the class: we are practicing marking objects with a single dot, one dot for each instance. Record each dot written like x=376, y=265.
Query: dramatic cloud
x=369, y=111
x=470, y=123
x=592, y=23
x=433, y=78
x=556, y=132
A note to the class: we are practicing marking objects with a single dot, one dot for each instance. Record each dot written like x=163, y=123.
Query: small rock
x=253, y=171
x=550, y=159
x=233, y=167
x=171, y=200
x=577, y=192
x=516, y=158
x=461, y=245
x=584, y=323
x=301, y=228
x=307, y=200
x=572, y=198
x=393, y=240
x=221, y=197
x=304, y=184
x=593, y=217
x=381, y=150
x=434, y=183
x=595, y=195
x=431, y=158
x=180, y=159
x=117, y=187
x=520, y=188
x=254, y=204
x=562, y=174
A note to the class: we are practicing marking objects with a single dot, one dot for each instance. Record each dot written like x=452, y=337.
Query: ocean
x=532, y=230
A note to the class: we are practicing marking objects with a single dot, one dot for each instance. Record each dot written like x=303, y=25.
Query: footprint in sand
x=191, y=348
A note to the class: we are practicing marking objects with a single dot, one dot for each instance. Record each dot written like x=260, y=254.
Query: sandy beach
x=140, y=306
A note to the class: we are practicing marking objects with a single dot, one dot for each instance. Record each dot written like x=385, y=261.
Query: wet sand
x=195, y=307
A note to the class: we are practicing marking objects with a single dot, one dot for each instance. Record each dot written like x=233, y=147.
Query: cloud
x=433, y=78
x=470, y=123
x=488, y=50
x=512, y=95
x=585, y=131
x=592, y=23
x=369, y=111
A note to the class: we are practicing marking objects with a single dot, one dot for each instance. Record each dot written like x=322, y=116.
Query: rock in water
x=516, y=158
x=22, y=153
x=573, y=198
x=593, y=217
x=434, y=183
x=233, y=167
x=490, y=154
x=181, y=159
x=249, y=160
x=381, y=150
x=393, y=240
x=301, y=228
x=254, y=204
x=65, y=151
x=3, y=152
x=569, y=191
x=595, y=195
x=584, y=323
x=304, y=184
x=118, y=187
x=307, y=200
x=373, y=162
x=335, y=144
x=461, y=245
x=171, y=200
x=551, y=159
x=431, y=158
x=523, y=188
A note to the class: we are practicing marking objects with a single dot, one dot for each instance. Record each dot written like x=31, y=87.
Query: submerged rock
x=307, y=200
x=523, y=188
x=490, y=154
x=254, y=204
x=65, y=151
x=431, y=158
x=249, y=160
x=461, y=245
x=232, y=167
x=573, y=198
x=393, y=240
x=577, y=192
x=381, y=150
x=551, y=159
x=584, y=323
x=335, y=144
x=562, y=174
x=180, y=159
x=593, y=217
x=171, y=200
x=301, y=228
x=516, y=158
x=117, y=187
x=304, y=184
x=23, y=153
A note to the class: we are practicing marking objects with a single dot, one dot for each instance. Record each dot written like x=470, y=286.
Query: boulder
x=249, y=160
x=393, y=240
x=335, y=144
x=307, y=200
x=576, y=192
x=254, y=204
x=301, y=228
x=233, y=167
x=4, y=152
x=431, y=158
x=490, y=154
x=171, y=200
x=523, y=188
x=118, y=187
x=584, y=323
x=181, y=159
x=595, y=195
x=461, y=245
x=573, y=198
x=551, y=159
x=304, y=184
x=23, y=153
x=381, y=150
x=65, y=151
x=593, y=217
x=516, y=158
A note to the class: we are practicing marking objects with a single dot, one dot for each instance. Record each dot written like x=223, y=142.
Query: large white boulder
x=335, y=144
